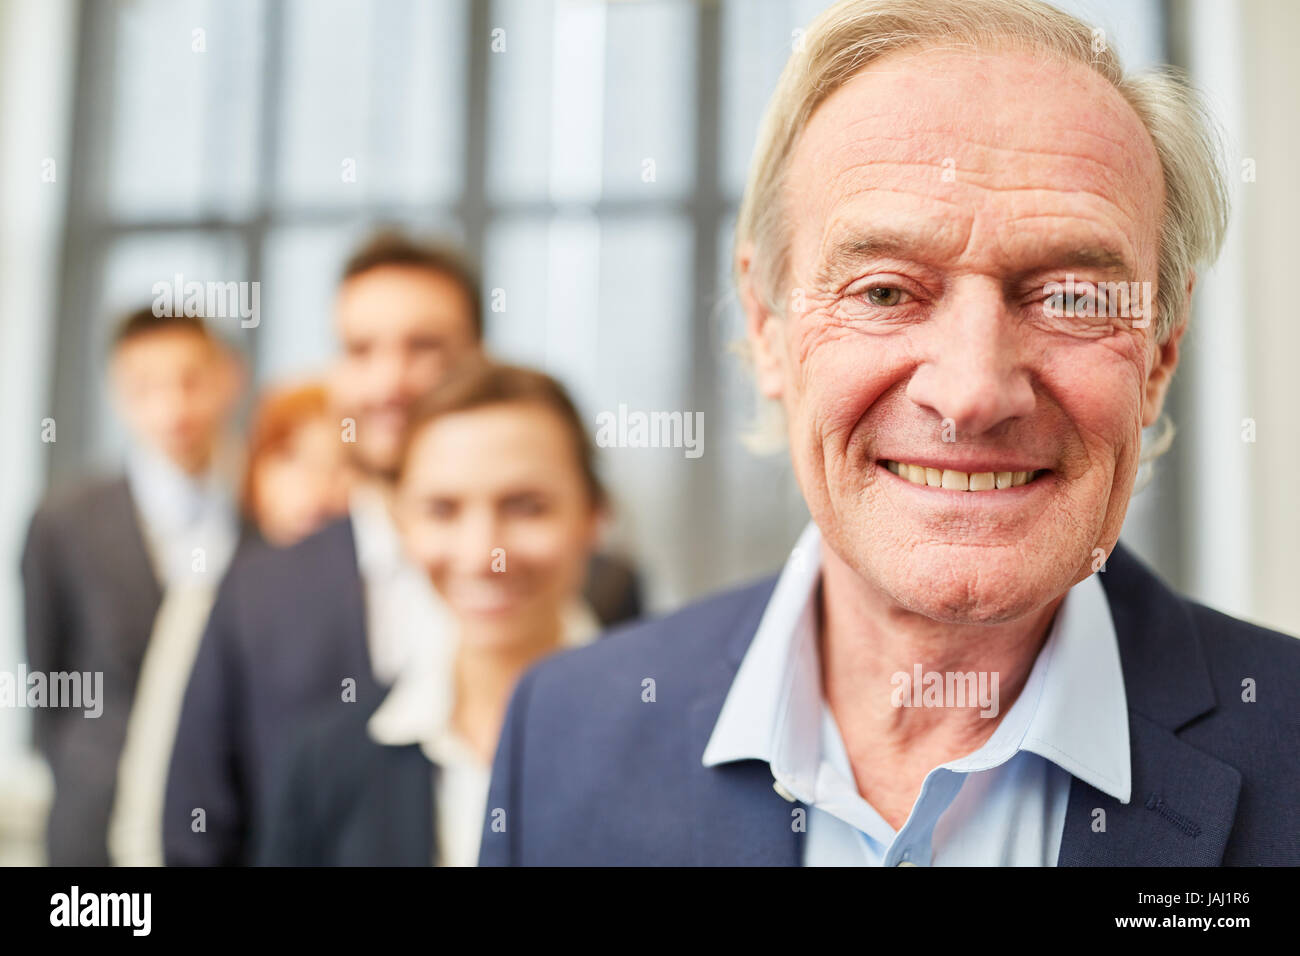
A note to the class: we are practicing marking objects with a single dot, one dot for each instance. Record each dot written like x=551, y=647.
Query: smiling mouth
x=952, y=480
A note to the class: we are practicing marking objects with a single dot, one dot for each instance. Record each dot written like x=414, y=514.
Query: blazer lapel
x=125, y=539
x=1180, y=814
x=347, y=611
x=122, y=553
x=740, y=820
x=1183, y=801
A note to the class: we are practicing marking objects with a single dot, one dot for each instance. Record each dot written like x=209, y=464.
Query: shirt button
x=780, y=788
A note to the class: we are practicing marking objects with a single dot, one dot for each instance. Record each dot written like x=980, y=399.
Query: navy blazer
x=589, y=774
x=344, y=800
x=287, y=628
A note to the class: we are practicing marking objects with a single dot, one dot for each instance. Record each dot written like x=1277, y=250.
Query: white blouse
x=417, y=710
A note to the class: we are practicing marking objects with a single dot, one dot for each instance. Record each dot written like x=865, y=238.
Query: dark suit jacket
x=90, y=601
x=588, y=774
x=288, y=627
x=344, y=800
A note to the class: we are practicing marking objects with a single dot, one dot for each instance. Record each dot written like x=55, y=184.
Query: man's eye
x=1082, y=305
x=885, y=295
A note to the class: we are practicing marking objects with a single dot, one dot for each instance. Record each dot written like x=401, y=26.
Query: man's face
x=933, y=198
x=175, y=389
x=401, y=329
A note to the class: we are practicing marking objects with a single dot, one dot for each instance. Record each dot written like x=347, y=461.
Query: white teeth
x=959, y=480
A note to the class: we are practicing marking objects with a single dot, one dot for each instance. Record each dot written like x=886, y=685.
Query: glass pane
x=373, y=101
x=650, y=112
x=758, y=37
x=519, y=99
x=588, y=100
x=606, y=308
x=542, y=280
x=296, y=337
x=1135, y=28
x=184, y=114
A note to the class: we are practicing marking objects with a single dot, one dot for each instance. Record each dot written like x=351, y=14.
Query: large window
x=590, y=154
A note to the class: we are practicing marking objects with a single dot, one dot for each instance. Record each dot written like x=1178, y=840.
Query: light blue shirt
x=1002, y=805
x=190, y=525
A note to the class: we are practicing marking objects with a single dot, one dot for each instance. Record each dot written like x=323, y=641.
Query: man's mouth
x=953, y=480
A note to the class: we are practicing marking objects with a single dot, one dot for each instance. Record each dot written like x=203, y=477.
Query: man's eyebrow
x=1100, y=258
x=847, y=253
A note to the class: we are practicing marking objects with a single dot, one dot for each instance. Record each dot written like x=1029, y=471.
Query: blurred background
x=591, y=156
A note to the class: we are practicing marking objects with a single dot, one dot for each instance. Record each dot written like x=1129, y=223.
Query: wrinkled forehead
x=999, y=147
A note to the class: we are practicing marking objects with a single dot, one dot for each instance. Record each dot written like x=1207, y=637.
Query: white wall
x=1242, y=518
x=1269, y=212
x=37, y=57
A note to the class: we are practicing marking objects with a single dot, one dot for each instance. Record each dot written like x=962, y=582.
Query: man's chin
x=961, y=607
x=988, y=588
x=378, y=460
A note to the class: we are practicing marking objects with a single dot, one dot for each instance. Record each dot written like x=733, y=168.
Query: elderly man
x=954, y=211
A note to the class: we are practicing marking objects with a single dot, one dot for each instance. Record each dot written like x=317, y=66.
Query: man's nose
x=409, y=376
x=973, y=371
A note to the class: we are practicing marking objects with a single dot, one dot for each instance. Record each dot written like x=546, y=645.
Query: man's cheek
x=846, y=404
x=820, y=327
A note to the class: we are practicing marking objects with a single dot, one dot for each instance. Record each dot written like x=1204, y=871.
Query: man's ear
x=764, y=329
x=1166, y=361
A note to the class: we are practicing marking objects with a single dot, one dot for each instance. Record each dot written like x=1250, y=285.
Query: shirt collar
x=379, y=545
x=1072, y=711
x=167, y=497
x=747, y=727
x=417, y=710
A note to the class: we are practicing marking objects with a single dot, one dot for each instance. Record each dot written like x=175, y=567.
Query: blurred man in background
x=332, y=615
x=101, y=559
x=295, y=481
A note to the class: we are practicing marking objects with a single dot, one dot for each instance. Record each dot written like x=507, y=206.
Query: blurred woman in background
x=296, y=478
x=294, y=481
x=499, y=501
